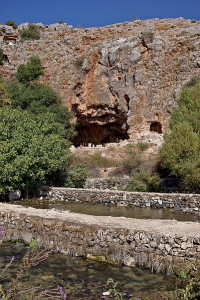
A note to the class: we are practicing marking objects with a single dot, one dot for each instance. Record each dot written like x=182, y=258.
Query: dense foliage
x=30, y=33
x=180, y=153
x=39, y=99
x=4, y=95
x=32, y=70
x=144, y=181
x=33, y=150
x=11, y=23
x=77, y=174
x=35, y=130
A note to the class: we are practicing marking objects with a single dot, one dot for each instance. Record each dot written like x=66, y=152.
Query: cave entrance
x=156, y=127
x=96, y=134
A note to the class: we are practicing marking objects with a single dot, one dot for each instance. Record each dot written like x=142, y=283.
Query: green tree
x=11, y=23
x=32, y=70
x=33, y=150
x=38, y=99
x=180, y=153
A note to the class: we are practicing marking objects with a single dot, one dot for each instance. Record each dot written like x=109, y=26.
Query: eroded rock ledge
x=122, y=80
x=163, y=245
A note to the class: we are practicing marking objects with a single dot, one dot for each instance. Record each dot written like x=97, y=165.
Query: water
x=108, y=210
x=83, y=278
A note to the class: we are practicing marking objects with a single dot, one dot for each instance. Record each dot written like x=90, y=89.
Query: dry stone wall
x=185, y=202
x=116, y=240
x=117, y=79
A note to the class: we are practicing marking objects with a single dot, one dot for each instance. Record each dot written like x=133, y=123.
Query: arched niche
x=156, y=127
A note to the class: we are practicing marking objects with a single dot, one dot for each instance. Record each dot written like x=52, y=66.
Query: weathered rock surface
x=118, y=79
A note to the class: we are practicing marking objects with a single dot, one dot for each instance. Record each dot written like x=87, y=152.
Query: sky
x=95, y=13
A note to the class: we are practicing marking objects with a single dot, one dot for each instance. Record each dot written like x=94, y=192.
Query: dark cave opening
x=95, y=134
x=156, y=127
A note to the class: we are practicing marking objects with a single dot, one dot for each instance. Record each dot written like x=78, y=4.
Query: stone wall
x=184, y=202
x=163, y=246
x=117, y=79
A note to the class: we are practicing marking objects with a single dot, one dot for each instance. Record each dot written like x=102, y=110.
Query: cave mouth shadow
x=156, y=127
x=95, y=134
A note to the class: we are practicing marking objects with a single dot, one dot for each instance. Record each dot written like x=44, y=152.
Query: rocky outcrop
x=122, y=80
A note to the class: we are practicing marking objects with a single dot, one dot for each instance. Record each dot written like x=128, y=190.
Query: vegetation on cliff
x=35, y=130
x=180, y=154
x=32, y=70
x=11, y=23
x=30, y=33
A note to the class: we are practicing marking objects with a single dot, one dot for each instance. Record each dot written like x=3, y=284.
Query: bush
x=30, y=33
x=35, y=96
x=1, y=56
x=76, y=176
x=144, y=181
x=180, y=152
x=38, y=99
x=32, y=70
x=4, y=95
x=11, y=23
x=33, y=150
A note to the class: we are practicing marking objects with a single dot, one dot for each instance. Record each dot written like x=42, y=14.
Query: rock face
x=121, y=81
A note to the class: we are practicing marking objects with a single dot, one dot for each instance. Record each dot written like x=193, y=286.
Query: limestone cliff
x=121, y=81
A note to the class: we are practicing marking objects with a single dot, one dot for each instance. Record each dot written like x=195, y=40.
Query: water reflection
x=85, y=279
x=107, y=210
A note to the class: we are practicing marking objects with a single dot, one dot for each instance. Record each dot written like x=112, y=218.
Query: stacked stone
x=184, y=202
x=161, y=252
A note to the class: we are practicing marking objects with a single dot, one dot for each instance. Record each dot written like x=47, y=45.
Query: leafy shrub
x=33, y=150
x=11, y=23
x=4, y=95
x=38, y=99
x=76, y=176
x=1, y=56
x=30, y=33
x=180, y=152
x=144, y=181
x=32, y=70
x=26, y=95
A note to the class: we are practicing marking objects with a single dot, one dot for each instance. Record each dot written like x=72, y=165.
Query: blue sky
x=89, y=13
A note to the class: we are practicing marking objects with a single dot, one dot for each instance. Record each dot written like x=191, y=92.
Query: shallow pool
x=83, y=278
x=108, y=210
